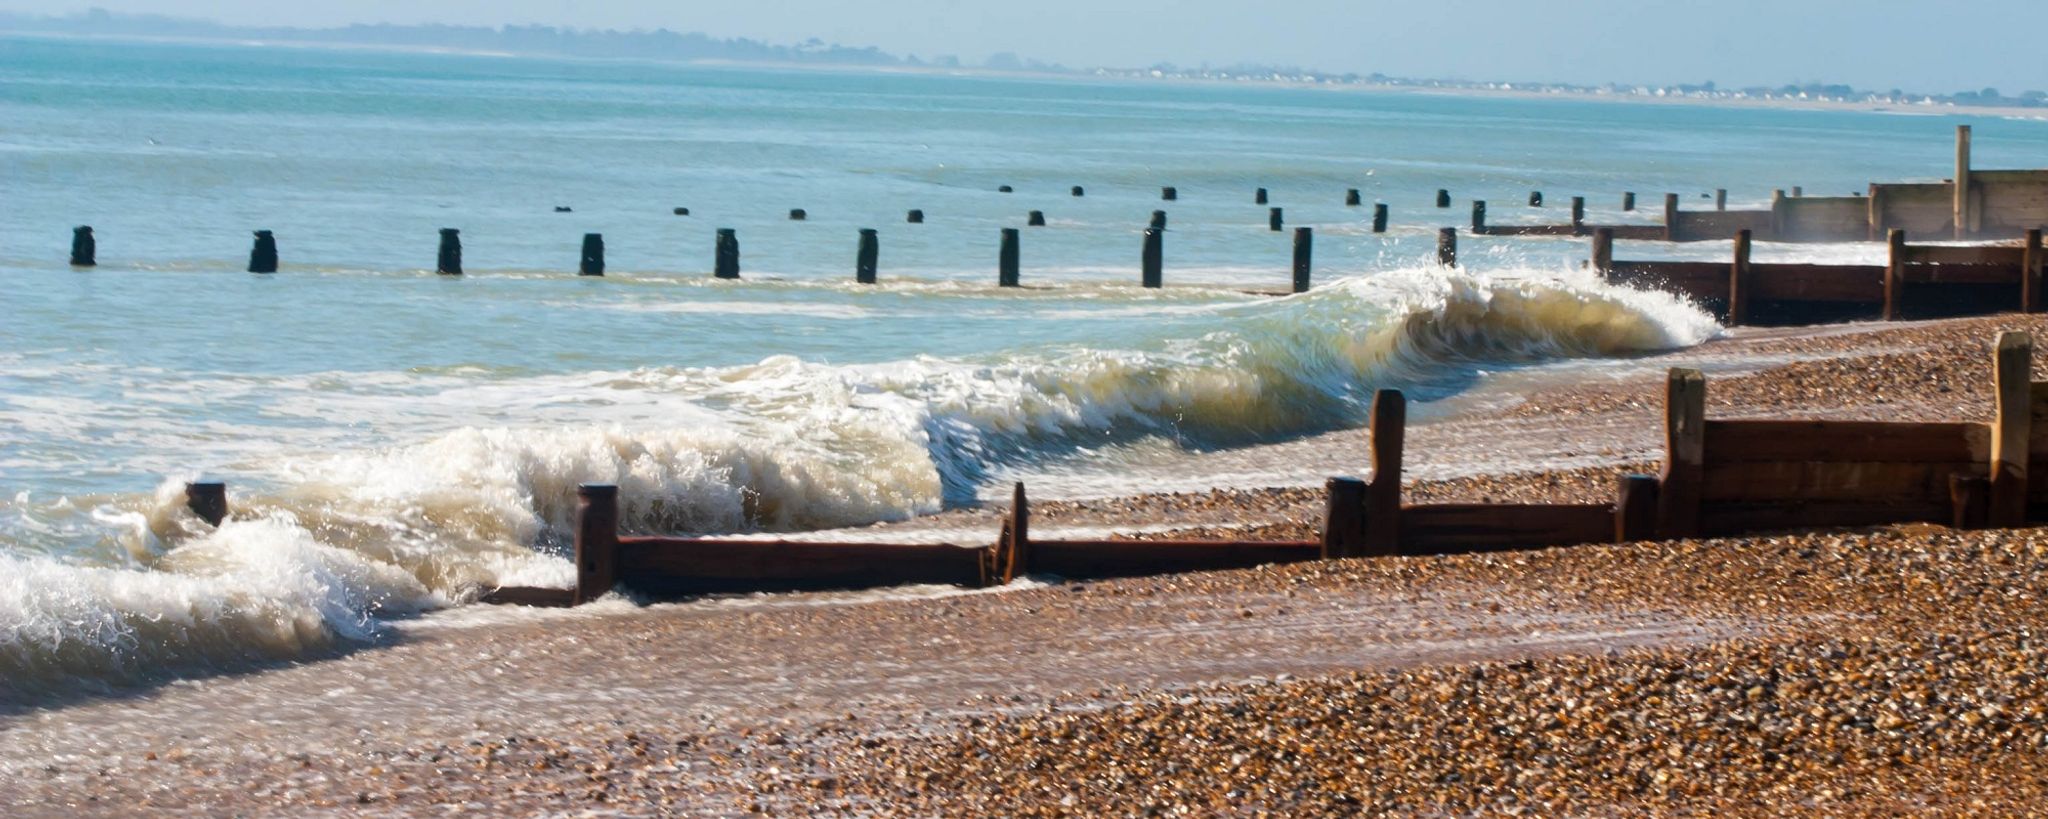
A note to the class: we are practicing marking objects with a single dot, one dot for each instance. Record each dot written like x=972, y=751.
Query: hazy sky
x=1924, y=45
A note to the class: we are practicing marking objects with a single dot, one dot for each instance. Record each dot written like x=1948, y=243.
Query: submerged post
x=1078, y=191
x=1352, y=198
x=2030, y=272
x=1738, y=281
x=915, y=217
x=1035, y=219
x=1169, y=193
x=1447, y=247
x=1344, y=518
x=597, y=541
x=208, y=500
x=798, y=214
x=449, y=259
x=1578, y=213
x=1154, y=258
x=1159, y=220
x=1273, y=219
x=1304, y=248
x=1671, y=217
x=2012, y=431
x=1259, y=198
x=1379, y=218
x=1386, y=430
x=593, y=255
x=83, y=248
x=1479, y=217
x=1720, y=199
x=1628, y=201
x=865, y=262
x=1603, y=250
x=1443, y=198
x=1535, y=199
x=1006, y=260
x=1965, y=223
x=726, y=264
x=1895, y=275
x=263, y=254
x=1685, y=424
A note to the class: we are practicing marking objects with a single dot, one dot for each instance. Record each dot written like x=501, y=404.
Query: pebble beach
x=1855, y=672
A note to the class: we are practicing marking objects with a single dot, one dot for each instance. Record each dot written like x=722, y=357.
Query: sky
x=1918, y=45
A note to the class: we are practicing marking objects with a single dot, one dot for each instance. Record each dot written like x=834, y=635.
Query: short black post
x=682, y=211
x=1798, y=191
x=1273, y=219
x=593, y=255
x=83, y=248
x=1304, y=247
x=916, y=217
x=798, y=215
x=1159, y=220
x=449, y=260
x=208, y=500
x=1169, y=193
x=1352, y=198
x=263, y=255
x=1259, y=198
x=1443, y=198
x=1578, y=213
x=1479, y=216
x=1036, y=219
x=1535, y=199
x=1006, y=260
x=1379, y=218
x=726, y=265
x=1603, y=250
x=1720, y=198
x=1005, y=189
x=1079, y=191
x=1628, y=201
x=1153, y=274
x=865, y=263
x=1447, y=247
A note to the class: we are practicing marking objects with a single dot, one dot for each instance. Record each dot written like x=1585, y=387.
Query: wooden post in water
x=1628, y=201
x=1685, y=424
x=867, y=261
x=1779, y=216
x=1386, y=431
x=1479, y=217
x=263, y=254
x=1798, y=192
x=681, y=211
x=593, y=255
x=1443, y=198
x=208, y=500
x=1005, y=189
x=1895, y=275
x=2012, y=430
x=1006, y=260
x=1344, y=518
x=1447, y=247
x=1078, y=191
x=1603, y=251
x=1169, y=193
x=798, y=214
x=2030, y=272
x=597, y=541
x=1635, y=509
x=1304, y=248
x=915, y=217
x=726, y=262
x=1153, y=272
x=1352, y=198
x=1035, y=219
x=1259, y=198
x=1738, y=281
x=1965, y=224
x=1379, y=218
x=1273, y=219
x=1535, y=199
x=1720, y=199
x=449, y=259
x=1578, y=214
x=1875, y=215
x=1159, y=220
x=84, y=250
x=1671, y=217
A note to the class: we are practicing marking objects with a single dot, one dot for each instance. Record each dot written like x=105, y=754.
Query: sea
x=394, y=439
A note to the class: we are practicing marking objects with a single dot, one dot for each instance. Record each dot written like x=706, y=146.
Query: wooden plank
x=2012, y=432
x=1846, y=441
x=1638, y=232
x=1140, y=558
x=1698, y=280
x=1967, y=255
x=1726, y=518
x=700, y=566
x=1534, y=230
x=1830, y=480
x=1461, y=528
x=1685, y=410
x=1962, y=274
x=1861, y=284
x=1383, y=491
x=529, y=596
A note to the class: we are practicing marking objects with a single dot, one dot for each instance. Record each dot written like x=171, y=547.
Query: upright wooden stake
x=1635, y=509
x=798, y=214
x=1078, y=191
x=1798, y=192
x=2030, y=272
x=1738, y=281
x=2012, y=432
x=1383, y=490
x=1344, y=518
x=1304, y=247
x=449, y=259
x=1379, y=218
x=915, y=217
x=1447, y=247
x=1443, y=198
x=1159, y=220
x=208, y=500
x=1578, y=214
x=1671, y=217
x=593, y=255
x=1273, y=219
x=1154, y=259
x=1535, y=199
x=1720, y=199
x=1603, y=250
x=1895, y=275
x=1006, y=260
x=1353, y=198
x=1259, y=198
x=1779, y=217
x=1479, y=217
x=1035, y=219
x=597, y=541
x=866, y=262
x=726, y=264
x=1628, y=201
x=84, y=250
x=1875, y=220
x=263, y=254
x=1169, y=193
x=1020, y=531
x=1685, y=424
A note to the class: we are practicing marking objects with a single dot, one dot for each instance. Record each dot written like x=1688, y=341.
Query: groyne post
x=1379, y=218
x=2030, y=272
x=866, y=260
x=1603, y=251
x=1005, y=189
x=1344, y=518
x=597, y=541
x=1386, y=431
x=1259, y=198
x=1035, y=218
x=915, y=217
x=2012, y=429
x=1304, y=248
x=1154, y=258
x=1158, y=220
x=1578, y=214
x=1443, y=198
x=1628, y=201
x=1006, y=260
x=1273, y=219
x=681, y=211
x=449, y=259
x=1635, y=509
x=1169, y=193
x=726, y=261
x=1685, y=424
x=1720, y=199
x=1447, y=247
x=1738, y=281
x=1965, y=224
x=263, y=254
x=1535, y=199
x=593, y=255
x=84, y=250
x=1078, y=191
x=1479, y=218
x=1352, y=198
x=1798, y=192
x=1778, y=215
x=798, y=214
x=208, y=500
x=1894, y=274
x=1671, y=217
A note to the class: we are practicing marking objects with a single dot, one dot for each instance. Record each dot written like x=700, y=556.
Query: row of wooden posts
x=1719, y=478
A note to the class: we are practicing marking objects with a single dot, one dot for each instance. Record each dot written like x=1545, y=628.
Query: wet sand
x=1848, y=672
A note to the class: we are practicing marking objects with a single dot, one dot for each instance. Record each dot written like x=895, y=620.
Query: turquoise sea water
x=396, y=438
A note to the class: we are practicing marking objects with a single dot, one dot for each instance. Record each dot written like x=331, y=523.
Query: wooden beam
x=2012, y=430
x=1138, y=558
x=1459, y=528
x=597, y=541
x=689, y=566
x=1775, y=441
x=1383, y=490
x=1685, y=410
x=1895, y=275
x=1738, y=282
x=1635, y=510
x=1344, y=518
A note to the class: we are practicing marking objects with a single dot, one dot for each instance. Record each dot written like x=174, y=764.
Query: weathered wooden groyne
x=1720, y=477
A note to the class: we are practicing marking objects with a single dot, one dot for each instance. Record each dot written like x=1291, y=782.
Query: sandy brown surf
x=1853, y=672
